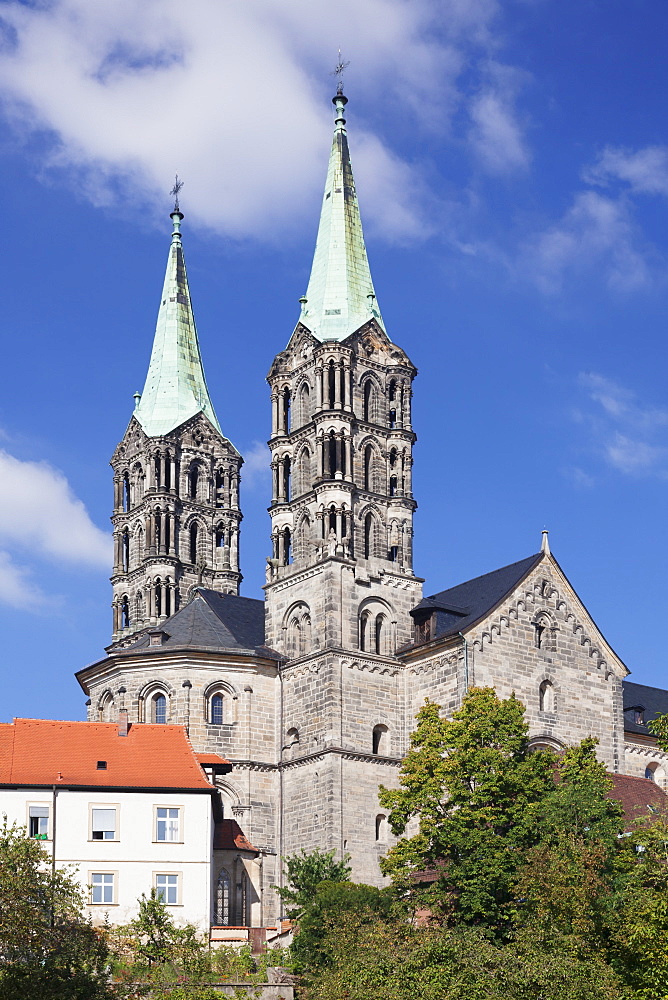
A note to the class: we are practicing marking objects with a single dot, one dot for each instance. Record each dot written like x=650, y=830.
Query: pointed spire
x=340, y=296
x=545, y=545
x=175, y=388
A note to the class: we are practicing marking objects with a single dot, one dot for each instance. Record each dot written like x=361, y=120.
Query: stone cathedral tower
x=176, y=477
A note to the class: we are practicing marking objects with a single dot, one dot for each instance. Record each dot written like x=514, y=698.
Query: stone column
x=318, y=389
x=346, y=387
x=118, y=493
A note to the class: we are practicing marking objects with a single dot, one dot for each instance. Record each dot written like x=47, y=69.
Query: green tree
x=469, y=780
x=304, y=872
x=47, y=948
x=153, y=929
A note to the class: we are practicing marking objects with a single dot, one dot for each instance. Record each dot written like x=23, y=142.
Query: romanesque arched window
x=546, y=696
x=379, y=634
x=365, y=625
x=331, y=384
x=380, y=740
x=368, y=396
x=217, y=709
x=287, y=546
x=125, y=549
x=381, y=828
x=125, y=612
x=368, y=536
x=220, y=536
x=393, y=486
x=220, y=488
x=285, y=408
x=304, y=403
x=287, y=465
x=159, y=708
x=167, y=485
x=157, y=597
x=126, y=491
x=368, y=467
x=193, y=482
x=140, y=606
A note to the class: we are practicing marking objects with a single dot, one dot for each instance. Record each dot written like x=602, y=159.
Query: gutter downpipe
x=466, y=661
x=53, y=854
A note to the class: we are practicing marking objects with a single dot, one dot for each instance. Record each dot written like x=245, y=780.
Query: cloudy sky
x=511, y=159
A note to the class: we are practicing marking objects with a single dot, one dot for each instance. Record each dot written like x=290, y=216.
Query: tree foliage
x=304, y=872
x=47, y=948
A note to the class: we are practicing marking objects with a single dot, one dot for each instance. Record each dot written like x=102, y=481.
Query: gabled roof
x=650, y=701
x=340, y=297
x=460, y=607
x=212, y=620
x=175, y=388
x=66, y=754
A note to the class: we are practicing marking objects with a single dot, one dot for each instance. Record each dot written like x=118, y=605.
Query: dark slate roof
x=650, y=701
x=212, y=620
x=462, y=606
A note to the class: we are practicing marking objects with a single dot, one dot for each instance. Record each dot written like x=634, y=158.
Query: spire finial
x=545, y=545
x=175, y=191
x=338, y=73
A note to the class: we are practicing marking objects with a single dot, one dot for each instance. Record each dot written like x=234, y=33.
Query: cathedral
x=311, y=692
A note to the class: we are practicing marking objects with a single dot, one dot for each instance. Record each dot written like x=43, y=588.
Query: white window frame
x=166, y=819
x=41, y=805
x=104, y=805
x=92, y=886
x=178, y=886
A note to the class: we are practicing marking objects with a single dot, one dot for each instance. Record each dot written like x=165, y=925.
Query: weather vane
x=175, y=191
x=338, y=73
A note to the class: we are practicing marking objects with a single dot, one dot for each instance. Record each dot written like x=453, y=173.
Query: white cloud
x=224, y=93
x=17, y=590
x=595, y=233
x=644, y=170
x=496, y=134
x=257, y=465
x=39, y=513
x=631, y=436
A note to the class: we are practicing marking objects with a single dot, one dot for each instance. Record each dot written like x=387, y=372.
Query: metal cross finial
x=175, y=191
x=338, y=73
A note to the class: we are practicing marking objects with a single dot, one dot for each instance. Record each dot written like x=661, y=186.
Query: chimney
x=123, y=722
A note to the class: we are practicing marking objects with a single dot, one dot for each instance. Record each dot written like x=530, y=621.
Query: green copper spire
x=340, y=296
x=175, y=387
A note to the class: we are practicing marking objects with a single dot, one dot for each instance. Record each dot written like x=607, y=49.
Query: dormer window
x=639, y=716
x=424, y=629
x=102, y=765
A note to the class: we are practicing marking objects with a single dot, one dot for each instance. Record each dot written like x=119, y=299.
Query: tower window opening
x=332, y=520
x=331, y=384
x=364, y=631
x=287, y=545
x=126, y=492
x=393, y=457
x=220, y=537
x=158, y=599
x=394, y=553
x=332, y=454
x=157, y=533
x=220, y=488
x=368, y=459
x=159, y=709
x=193, y=482
x=125, y=613
x=217, y=707
x=368, y=535
x=126, y=550
x=168, y=601
x=393, y=418
x=379, y=740
x=368, y=401
x=393, y=486
x=305, y=403
x=392, y=390
x=286, y=476
x=379, y=633
x=156, y=466
x=193, y=542
x=286, y=408
x=381, y=828
x=539, y=630
x=168, y=472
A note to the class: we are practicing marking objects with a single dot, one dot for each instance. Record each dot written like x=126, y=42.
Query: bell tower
x=176, y=477
x=341, y=569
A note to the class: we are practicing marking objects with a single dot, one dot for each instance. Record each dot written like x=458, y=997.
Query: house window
x=102, y=887
x=38, y=822
x=103, y=823
x=167, y=824
x=167, y=889
x=217, y=706
x=159, y=706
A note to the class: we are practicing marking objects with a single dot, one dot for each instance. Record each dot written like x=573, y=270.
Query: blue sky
x=512, y=167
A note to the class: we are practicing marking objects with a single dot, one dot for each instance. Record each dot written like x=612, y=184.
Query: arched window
x=306, y=634
x=365, y=624
x=379, y=634
x=331, y=384
x=286, y=477
x=168, y=471
x=140, y=606
x=220, y=488
x=380, y=740
x=332, y=519
x=546, y=696
x=193, y=482
x=292, y=736
x=332, y=454
x=393, y=457
x=287, y=544
x=220, y=537
x=368, y=467
x=368, y=401
x=295, y=637
x=158, y=598
x=193, y=542
x=285, y=400
x=305, y=403
x=167, y=610
x=126, y=550
x=368, y=536
x=125, y=612
x=381, y=828
x=222, y=915
x=392, y=417
x=392, y=390
x=126, y=491
x=159, y=709
x=393, y=486
x=156, y=467
x=217, y=709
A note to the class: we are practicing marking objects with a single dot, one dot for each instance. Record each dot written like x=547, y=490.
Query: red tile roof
x=638, y=796
x=213, y=760
x=43, y=752
x=228, y=836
